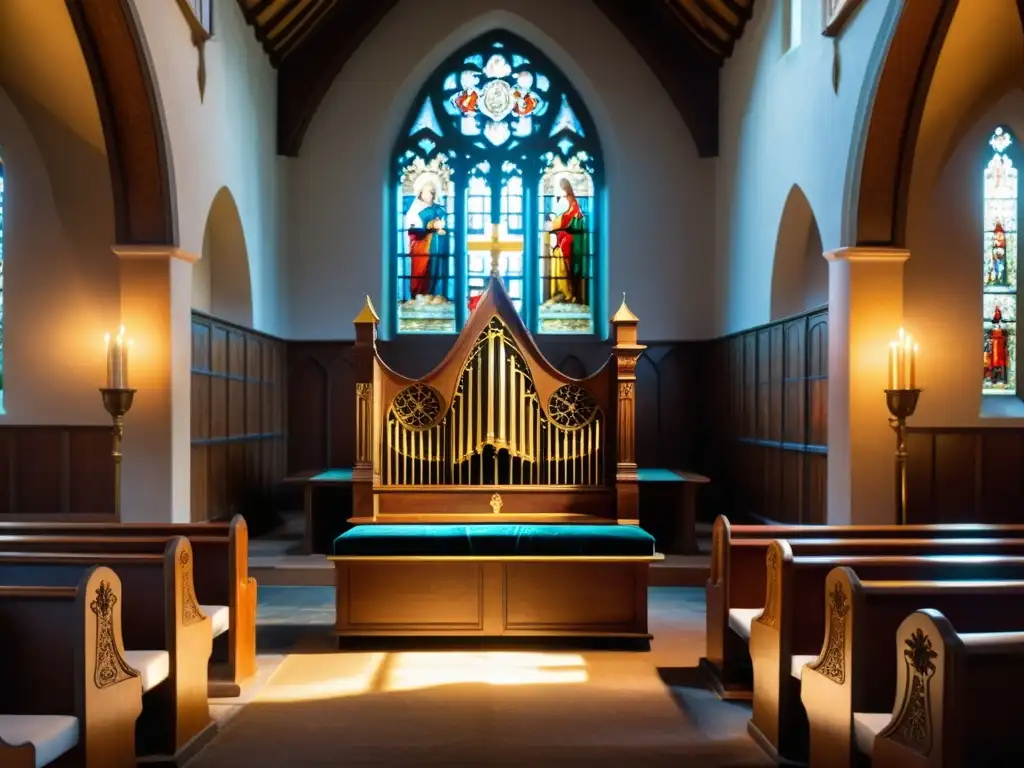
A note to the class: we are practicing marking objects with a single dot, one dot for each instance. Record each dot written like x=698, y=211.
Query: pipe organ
x=494, y=430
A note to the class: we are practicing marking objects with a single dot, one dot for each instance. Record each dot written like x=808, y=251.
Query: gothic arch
x=133, y=126
x=799, y=273
x=221, y=278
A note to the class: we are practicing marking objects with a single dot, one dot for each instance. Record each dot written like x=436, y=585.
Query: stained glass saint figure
x=428, y=244
x=998, y=274
x=570, y=249
x=997, y=352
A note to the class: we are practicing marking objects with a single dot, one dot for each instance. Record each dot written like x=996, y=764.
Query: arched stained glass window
x=999, y=282
x=1, y=284
x=498, y=161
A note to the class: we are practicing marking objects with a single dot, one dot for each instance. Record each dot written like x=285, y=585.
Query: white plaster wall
x=226, y=139
x=60, y=278
x=660, y=194
x=782, y=124
x=977, y=86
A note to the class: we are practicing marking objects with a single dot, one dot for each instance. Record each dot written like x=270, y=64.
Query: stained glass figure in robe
x=425, y=281
x=566, y=193
x=999, y=269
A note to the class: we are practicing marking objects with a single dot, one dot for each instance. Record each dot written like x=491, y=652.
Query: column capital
x=151, y=252
x=868, y=254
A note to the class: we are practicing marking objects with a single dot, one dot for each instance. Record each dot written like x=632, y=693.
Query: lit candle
x=117, y=361
x=892, y=365
x=901, y=359
x=913, y=367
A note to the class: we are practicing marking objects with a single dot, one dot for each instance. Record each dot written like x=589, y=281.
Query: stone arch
x=800, y=273
x=891, y=109
x=142, y=179
x=220, y=279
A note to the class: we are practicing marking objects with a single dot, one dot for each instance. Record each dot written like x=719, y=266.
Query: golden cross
x=495, y=245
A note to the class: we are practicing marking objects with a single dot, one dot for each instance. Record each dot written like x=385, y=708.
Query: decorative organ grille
x=495, y=431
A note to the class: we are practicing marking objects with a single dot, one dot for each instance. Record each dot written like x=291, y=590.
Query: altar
x=494, y=496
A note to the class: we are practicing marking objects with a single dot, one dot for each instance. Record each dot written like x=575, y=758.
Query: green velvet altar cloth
x=495, y=540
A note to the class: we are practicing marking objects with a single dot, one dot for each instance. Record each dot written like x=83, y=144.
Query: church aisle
x=507, y=707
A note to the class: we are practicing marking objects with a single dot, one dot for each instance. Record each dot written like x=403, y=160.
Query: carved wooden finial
x=367, y=314
x=624, y=314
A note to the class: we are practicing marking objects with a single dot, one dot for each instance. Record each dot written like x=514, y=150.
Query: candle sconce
x=117, y=401
x=902, y=404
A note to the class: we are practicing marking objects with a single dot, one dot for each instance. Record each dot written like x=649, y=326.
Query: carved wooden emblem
x=496, y=503
x=832, y=662
x=190, y=613
x=912, y=727
x=363, y=391
x=769, y=616
x=111, y=668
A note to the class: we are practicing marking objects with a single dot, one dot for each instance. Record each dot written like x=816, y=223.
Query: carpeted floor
x=502, y=708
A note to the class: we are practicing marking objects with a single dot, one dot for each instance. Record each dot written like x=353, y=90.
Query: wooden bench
x=167, y=637
x=737, y=581
x=221, y=578
x=967, y=726
x=847, y=688
x=490, y=580
x=68, y=691
x=788, y=632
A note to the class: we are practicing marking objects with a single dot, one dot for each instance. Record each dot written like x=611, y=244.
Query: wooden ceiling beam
x=252, y=12
x=311, y=16
x=264, y=30
x=716, y=17
x=685, y=20
x=305, y=74
x=686, y=68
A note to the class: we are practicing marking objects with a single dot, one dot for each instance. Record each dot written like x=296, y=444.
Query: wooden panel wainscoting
x=56, y=472
x=965, y=474
x=767, y=420
x=238, y=418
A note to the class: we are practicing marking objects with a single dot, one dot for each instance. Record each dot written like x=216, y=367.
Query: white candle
x=892, y=365
x=913, y=367
x=125, y=343
x=117, y=361
x=901, y=367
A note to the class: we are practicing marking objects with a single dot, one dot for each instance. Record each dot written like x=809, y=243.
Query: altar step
x=318, y=571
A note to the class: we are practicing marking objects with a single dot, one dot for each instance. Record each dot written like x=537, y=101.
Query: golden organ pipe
x=501, y=390
x=490, y=382
x=430, y=455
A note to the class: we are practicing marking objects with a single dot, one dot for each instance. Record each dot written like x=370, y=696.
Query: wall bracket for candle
x=902, y=403
x=117, y=401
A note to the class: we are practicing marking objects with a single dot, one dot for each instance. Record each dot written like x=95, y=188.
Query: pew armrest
x=742, y=619
x=49, y=735
x=153, y=667
x=866, y=726
x=220, y=618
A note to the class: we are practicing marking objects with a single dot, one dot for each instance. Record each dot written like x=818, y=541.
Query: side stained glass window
x=1, y=283
x=999, y=280
x=498, y=166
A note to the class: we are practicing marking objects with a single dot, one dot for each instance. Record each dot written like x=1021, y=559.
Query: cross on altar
x=496, y=246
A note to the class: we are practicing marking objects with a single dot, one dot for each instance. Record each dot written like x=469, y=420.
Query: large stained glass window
x=1, y=284
x=999, y=281
x=497, y=166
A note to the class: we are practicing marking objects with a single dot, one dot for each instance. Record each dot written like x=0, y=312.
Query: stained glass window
x=497, y=167
x=999, y=270
x=1, y=283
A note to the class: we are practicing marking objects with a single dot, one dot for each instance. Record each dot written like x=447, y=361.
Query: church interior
x=492, y=381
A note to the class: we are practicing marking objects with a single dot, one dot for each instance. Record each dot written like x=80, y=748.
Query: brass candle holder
x=118, y=402
x=902, y=404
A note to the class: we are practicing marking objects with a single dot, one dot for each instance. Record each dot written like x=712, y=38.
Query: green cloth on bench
x=495, y=540
x=658, y=475
x=333, y=476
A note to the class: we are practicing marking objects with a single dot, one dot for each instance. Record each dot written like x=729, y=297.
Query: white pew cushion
x=154, y=666
x=51, y=735
x=740, y=620
x=797, y=665
x=220, y=617
x=867, y=725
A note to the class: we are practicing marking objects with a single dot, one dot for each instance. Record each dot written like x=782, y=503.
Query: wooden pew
x=790, y=626
x=167, y=637
x=67, y=691
x=221, y=577
x=737, y=581
x=848, y=689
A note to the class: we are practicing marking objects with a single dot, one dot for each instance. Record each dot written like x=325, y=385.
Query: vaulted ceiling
x=684, y=42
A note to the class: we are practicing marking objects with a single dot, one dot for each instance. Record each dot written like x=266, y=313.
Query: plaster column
x=156, y=310
x=865, y=310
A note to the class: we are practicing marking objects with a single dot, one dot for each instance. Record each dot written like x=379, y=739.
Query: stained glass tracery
x=999, y=270
x=508, y=159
